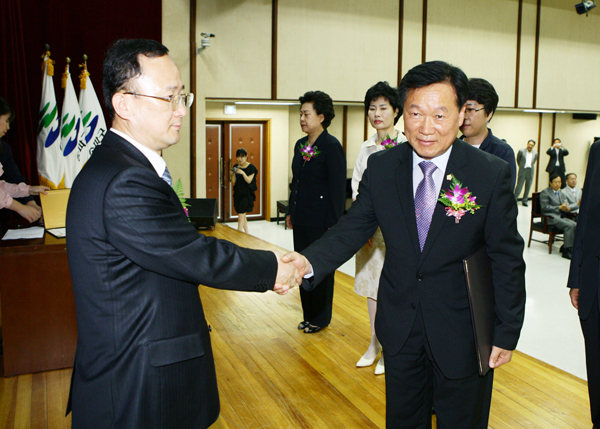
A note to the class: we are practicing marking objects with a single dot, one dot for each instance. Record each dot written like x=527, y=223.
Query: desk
x=39, y=327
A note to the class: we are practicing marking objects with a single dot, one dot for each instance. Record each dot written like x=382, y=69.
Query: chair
x=282, y=207
x=539, y=223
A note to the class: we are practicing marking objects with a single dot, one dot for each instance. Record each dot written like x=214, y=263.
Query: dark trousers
x=525, y=177
x=414, y=384
x=591, y=333
x=316, y=304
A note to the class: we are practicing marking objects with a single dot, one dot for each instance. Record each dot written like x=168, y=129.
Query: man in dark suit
x=144, y=356
x=584, y=276
x=481, y=106
x=526, y=159
x=556, y=164
x=552, y=204
x=423, y=319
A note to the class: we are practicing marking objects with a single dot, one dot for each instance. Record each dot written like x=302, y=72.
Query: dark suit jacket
x=318, y=189
x=585, y=266
x=502, y=150
x=561, y=160
x=434, y=279
x=144, y=358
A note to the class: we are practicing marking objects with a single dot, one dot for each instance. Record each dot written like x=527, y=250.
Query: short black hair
x=322, y=103
x=531, y=140
x=122, y=64
x=6, y=108
x=556, y=138
x=554, y=176
x=383, y=89
x=435, y=72
x=241, y=152
x=570, y=174
x=483, y=92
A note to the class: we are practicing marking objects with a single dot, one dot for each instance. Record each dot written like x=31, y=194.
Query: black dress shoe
x=525, y=204
x=303, y=324
x=567, y=253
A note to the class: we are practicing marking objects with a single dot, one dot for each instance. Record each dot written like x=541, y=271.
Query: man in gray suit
x=571, y=194
x=526, y=161
x=550, y=201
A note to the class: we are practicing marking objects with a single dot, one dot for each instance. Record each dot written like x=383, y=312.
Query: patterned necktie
x=167, y=177
x=425, y=200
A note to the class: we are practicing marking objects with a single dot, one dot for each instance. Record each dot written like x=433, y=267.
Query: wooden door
x=223, y=139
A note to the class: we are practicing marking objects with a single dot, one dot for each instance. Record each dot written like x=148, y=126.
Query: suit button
x=420, y=277
x=413, y=306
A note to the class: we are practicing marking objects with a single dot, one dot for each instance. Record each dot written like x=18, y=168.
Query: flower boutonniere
x=390, y=142
x=308, y=152
x=178, y=188
x=458, y=200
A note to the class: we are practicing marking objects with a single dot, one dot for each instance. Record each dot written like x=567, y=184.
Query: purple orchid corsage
x=308, y=152
x=458, y=200
x=389, y=142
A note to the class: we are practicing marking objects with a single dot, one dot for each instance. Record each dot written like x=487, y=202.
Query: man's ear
x=120, y=103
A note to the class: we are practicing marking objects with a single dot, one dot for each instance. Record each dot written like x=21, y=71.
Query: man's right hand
x=288, y=222
x=300, y=262
x=574, y=294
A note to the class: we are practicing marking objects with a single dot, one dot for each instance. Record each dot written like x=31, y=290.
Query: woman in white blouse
x=382, y=107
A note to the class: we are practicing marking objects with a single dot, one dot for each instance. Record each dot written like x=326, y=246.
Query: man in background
x=571, y=193
x=556, y=163
x=553, y=206
x=584, y=281
x=481, y=106
x=526, y=158
x=144, y=357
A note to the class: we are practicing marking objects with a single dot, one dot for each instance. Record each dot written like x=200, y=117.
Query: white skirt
x=369, y=263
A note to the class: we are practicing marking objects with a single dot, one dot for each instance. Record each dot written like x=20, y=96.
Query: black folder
x=478, y=273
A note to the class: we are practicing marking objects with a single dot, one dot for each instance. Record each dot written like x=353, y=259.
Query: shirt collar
x=155, y=159
x=440, y=161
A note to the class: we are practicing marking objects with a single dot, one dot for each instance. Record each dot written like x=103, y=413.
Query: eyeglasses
x=175, y=100
x=471, y=110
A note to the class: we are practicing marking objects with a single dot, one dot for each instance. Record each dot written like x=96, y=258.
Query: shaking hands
x=291, y=268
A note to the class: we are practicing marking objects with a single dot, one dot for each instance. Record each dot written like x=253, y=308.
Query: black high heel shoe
x=303, y=324
x=311, y=329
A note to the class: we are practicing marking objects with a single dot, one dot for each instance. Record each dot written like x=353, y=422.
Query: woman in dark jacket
x=317, y=197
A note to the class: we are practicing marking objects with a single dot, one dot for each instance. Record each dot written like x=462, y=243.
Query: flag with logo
x=92, y=118
x=70, y=129
x=49, y=157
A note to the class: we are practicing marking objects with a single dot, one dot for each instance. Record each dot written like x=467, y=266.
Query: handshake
x=291, y=269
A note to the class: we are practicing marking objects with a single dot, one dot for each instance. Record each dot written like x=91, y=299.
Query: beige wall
x=346, y=46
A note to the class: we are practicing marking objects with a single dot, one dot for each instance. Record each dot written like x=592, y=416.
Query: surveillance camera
x=585, y=7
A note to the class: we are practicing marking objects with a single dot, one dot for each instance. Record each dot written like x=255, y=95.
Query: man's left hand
x=499, y=357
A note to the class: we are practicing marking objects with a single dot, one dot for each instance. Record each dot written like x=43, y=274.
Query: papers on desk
x=24, y=233
x=58, y=232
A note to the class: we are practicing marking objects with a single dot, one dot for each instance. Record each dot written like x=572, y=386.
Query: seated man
x=571, y=194
x=550, y=201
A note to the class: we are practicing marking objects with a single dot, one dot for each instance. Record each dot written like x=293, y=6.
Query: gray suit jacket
x=571, y=197
x=549, y=203
x=522, y=158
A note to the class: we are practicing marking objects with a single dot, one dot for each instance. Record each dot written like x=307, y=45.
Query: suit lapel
x=455, y=166
x=404, y=187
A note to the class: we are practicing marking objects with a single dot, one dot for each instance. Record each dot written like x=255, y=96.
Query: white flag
x=70, y=130
x=51, y=167
x=92, y=118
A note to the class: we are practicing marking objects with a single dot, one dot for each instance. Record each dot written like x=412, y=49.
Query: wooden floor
x=273, y=376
